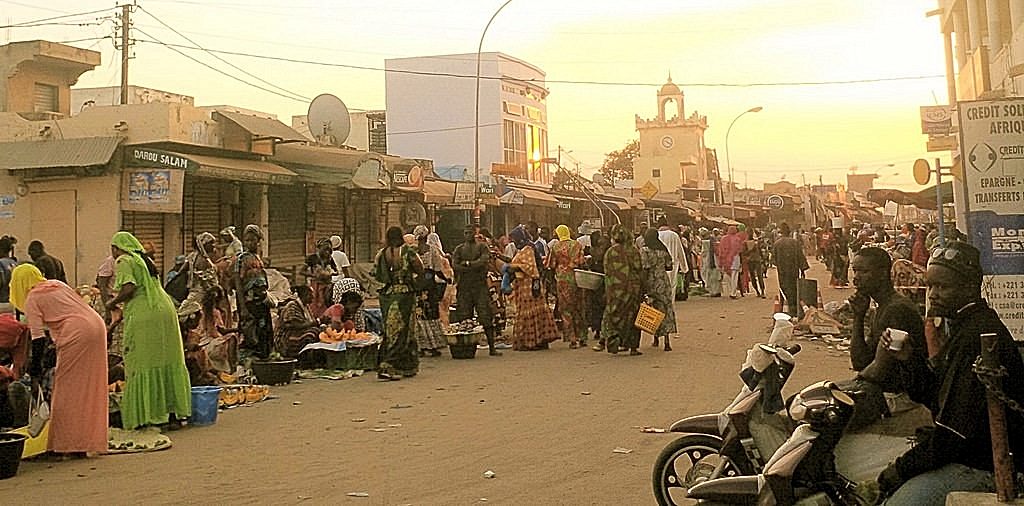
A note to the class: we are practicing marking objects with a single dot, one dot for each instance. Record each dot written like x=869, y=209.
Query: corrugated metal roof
x=243, y=170
x=263, y=127
x=81, y=152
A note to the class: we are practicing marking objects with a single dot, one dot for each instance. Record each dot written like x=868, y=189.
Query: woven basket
x=648, y=319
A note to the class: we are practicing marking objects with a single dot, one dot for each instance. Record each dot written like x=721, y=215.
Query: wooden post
x=1006, y=487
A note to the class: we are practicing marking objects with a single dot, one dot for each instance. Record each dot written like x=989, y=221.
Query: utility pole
x=125, y=27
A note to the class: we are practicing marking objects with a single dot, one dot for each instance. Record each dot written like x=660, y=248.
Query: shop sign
x=486, y=189
x=992, y=144
x=936, y=119
x=564, y=204
x=152, y=190
x=775, y=202
x=464, y=193
x=941, y=143
x=408, y=177
x=7, y=206
x=146, y=157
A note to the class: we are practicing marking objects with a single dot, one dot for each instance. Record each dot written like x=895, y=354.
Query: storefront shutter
x=330, y=213
x=287, y=234
x=201, y=209
x=147, y=227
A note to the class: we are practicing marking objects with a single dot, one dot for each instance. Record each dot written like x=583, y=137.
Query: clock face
x=667, y=142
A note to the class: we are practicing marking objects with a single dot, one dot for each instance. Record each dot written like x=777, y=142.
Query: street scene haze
x=512, y=252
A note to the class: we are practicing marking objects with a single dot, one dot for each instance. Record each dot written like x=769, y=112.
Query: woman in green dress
x=396, y=267
x=157, y=389
x=622, y=287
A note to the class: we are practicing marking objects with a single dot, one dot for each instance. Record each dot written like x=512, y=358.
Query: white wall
x=441, y=108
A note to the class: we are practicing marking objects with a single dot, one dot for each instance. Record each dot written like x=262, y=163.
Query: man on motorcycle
x=956, y=455
x=872, y=276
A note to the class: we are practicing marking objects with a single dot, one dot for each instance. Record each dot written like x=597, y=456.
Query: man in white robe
x=674, y=244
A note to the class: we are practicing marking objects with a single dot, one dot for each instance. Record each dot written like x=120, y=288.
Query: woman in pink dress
x=78, y=408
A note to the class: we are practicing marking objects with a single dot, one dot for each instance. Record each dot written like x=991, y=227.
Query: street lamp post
x=732, y=185
x=476, y=124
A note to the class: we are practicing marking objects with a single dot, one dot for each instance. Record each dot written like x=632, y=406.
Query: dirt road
x=544, y=422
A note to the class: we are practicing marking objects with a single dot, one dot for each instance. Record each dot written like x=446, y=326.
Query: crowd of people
x=221, y=303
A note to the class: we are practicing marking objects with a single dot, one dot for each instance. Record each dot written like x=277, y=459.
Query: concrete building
x=36, y=77
x=861, y=183
x=780, y=188
x=433, y=116
x=83, y=98
x=672, y=150
x=987, y=41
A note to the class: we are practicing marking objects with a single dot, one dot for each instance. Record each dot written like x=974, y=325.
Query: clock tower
x=672, y=151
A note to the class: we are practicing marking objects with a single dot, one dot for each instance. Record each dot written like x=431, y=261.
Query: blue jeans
x=931, y=488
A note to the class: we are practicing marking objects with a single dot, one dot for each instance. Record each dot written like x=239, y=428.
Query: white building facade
x=431, y=104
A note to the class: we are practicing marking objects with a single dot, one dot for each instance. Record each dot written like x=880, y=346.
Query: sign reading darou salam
x=992, y=144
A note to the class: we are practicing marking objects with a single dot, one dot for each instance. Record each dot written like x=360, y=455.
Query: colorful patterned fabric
x=534, y=326
x=622, y=275
x=398, y=351
x=658, y=287
x=567, y=255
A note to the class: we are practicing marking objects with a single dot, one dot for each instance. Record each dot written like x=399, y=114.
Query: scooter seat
x=731, y=490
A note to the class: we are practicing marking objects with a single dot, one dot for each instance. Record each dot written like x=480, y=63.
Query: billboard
x=992, y=151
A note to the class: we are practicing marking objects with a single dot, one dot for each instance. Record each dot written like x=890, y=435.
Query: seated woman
x=200, y=372
x=221, y=343
x=296, y=326
x=347, y=314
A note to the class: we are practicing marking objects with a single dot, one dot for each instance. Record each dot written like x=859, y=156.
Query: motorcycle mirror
x=768, y=349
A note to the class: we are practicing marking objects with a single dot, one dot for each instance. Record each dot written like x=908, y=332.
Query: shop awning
x=924, y=199
x=438, y=192
x=81, y=152
x=332, y=166
x=262, y=128
x=722, y=220
x=236, y=169
x=528, y=196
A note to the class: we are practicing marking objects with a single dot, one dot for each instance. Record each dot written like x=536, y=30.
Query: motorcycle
x=821, y=463
x=739, y=440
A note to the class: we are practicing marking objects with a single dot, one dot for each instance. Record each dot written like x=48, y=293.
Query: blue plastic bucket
x=204, y=405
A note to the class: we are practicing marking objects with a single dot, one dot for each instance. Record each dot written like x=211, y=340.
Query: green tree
x=618, y=165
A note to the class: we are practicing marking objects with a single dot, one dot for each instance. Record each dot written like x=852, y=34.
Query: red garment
x=14, y=338
x=918, y=251
x=729, y=247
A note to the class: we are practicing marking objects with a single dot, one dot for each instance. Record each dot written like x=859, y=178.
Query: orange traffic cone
x=777, y=307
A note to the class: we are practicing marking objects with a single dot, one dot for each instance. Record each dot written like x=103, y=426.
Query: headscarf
x=23, y=279
x=323, y=243
x=653, y=240
x=519, y=237
x=335, y=242
x=409, y=239
x=421, y=232
x=204, y=238
x=435, y=241
x=252, y=228
x=127, y=242
x=188, y=308
x=619, y=234
x=563, y=233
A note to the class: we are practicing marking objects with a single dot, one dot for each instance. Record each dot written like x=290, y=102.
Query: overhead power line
x=553, y=81
x=44, y=20
x=232, y=65
x=217, y=70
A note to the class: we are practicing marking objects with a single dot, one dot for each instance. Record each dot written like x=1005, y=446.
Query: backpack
x=177, y=285
x=6, y=266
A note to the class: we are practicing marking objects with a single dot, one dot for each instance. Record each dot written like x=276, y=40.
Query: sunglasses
x=952, y=253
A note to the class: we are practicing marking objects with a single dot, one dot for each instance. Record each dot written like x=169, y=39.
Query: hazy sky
x=804, y=131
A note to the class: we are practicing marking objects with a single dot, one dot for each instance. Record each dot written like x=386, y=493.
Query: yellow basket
x=648, y=319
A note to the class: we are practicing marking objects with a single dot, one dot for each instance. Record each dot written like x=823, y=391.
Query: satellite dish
x=328, y=119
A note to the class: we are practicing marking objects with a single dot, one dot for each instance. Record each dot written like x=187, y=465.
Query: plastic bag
x=39, y=416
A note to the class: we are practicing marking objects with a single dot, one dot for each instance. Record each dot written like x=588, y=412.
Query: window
x=45, y=98
x=514, y=144
x=655, y=172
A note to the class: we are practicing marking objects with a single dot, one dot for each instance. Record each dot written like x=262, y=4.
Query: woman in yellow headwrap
x=566, y=256
x=157, y=389
x=78, y=407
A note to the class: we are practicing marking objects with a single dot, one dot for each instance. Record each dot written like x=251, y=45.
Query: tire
x=685, y=462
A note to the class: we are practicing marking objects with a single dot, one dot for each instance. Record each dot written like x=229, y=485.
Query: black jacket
x=957, y=398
